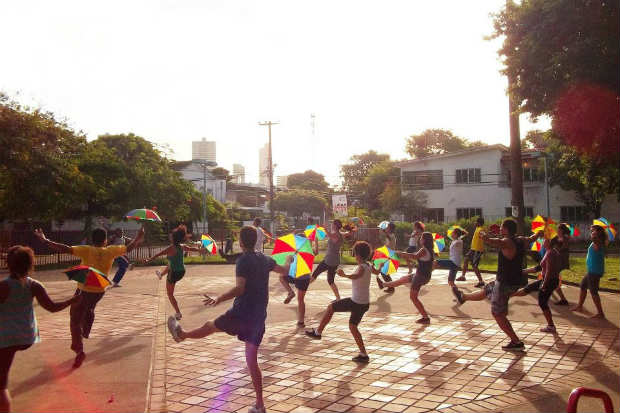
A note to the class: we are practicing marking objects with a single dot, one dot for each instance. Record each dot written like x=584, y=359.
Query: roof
x=454, y=154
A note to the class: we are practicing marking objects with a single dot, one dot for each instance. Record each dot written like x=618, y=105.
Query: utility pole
x=516, y=168
x=270, y=172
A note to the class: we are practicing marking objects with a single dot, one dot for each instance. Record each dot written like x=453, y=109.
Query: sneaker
x=380, y=283
x=312, y=333
x=461, y=278
x=548, y=329
x=479, y=285
x=514, y=346
x=79, y=359
x=255, y=409
x=301, y=324
x=178, y=316
x=131, y=267
x=458, y=294
x=159, y=274
x=174, y=327
x=562, y=302
x=423, y=320
x=361, y=359
x=289, y=297
x=389, y=290
x=114, y=285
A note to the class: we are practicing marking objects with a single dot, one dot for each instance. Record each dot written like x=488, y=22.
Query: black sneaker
x=458, y=294
x=312, y=333
x=79, y=359
x=514, y=346
x=380, y=283
x=389, y=290
x=361, y=359
x=562, y=302
x=423, y=320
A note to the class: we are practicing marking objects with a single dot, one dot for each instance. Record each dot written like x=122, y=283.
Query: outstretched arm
x=56, y=246
x=165, y=251
x=137, y=240
x=236, y=291
x=357, y=274
x=46, y=302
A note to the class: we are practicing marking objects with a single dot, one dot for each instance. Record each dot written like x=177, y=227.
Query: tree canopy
x=564, y=57
x=355, y=173
x=309, y=180
x=435, y=142
x=298, y=201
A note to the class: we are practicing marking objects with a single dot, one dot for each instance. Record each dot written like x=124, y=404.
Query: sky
x=175, y=71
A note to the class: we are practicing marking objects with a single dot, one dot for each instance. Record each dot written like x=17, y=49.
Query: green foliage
x=298, y=201
x=309, y=180
x=222, y=173
x=355, y=173
x=435, y=142
x=380, y=176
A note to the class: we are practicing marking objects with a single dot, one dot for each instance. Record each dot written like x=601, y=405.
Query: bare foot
x=577, y=308
x=289, y=297
x=601, y=316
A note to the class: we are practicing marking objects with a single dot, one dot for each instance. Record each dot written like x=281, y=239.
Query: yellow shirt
x=100, y=258
x=476, y=241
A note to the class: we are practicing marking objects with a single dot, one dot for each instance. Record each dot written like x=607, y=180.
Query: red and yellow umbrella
x=385, y=260
x=609, y=228
x=300, y=248
x=209, y=244
x=314, y=231
x=89, y=276
x=439, y=242
x=143, y=214
x=547, y=225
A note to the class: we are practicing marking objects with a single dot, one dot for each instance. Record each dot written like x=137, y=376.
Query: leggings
x=6, y=359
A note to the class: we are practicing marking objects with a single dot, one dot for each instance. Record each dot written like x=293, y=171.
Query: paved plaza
x=455, y=364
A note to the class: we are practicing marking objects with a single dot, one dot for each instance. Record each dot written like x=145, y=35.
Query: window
x=466, y=213
x=529, y=212
x=468, y=176
x=434, y=215
x=423, y=179
x=573, y=214
x=531, y=175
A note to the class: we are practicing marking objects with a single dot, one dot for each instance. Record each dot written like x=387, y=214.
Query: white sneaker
x=174, y=327
x=178, y=316
x=159, y=274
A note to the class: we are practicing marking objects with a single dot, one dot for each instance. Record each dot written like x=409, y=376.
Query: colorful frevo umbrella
x=300, y=248
x=209, y=244
x=385, y=260
x=537, y=245
x=495, y=229
x=547, y=225
x=143, y=215
x=451, y=231
x=314, y=231
x=384, y=224
x=574, y=230
x=610, y=229
x=439, y=242
x=88, y=276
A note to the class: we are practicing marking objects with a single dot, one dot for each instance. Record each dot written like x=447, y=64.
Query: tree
x=435, y=142
x=38, y=173
x=222, y=173
x=590, y=178
x=380, y=176
x=298, y=201
x=354, y=173
x=309, y=180
x=565, y=58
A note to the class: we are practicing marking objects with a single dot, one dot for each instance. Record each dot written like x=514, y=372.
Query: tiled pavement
x=454, y=364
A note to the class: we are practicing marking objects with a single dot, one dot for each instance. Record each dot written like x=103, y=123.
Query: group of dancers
x=246, y=318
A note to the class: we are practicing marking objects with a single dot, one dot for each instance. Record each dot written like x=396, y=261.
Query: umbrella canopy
x=451, y=231
x=385, y=260
x=494, y=229
x=143, y=215
x=300, y=248
x=610, y=229
x=574, y=231
x=208, y=243
x=439, y=242
x=314, y=231
x=537, y=245
x=383, y=224
x=88, y=276
x=547, y=225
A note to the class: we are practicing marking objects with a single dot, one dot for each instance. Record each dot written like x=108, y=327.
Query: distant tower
x=203, y=150
x=238, y=173
x=282, y=181
x=263, y=165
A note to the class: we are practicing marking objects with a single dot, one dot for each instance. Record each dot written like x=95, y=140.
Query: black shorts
x=331, y=271
x=411, y=249
x=544, y=295
x=420, y=278
x=175, y=276
x=591, y=282
x=300, y=283
x=531, y=287
x=6, y=359
x=474, y=257
x=348, y=305
x=245, y=330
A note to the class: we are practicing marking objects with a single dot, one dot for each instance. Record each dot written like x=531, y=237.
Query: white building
x=238, y=173
x=282, y=181
x=192, y=171
x=263, y=165
x=477, y=182
x=203, y=150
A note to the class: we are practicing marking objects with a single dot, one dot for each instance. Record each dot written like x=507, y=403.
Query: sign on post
x=339, y=205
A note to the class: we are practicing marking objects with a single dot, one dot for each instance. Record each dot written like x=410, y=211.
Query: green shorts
x=175, y=276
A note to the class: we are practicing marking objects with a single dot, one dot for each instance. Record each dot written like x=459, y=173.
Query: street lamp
x=204, y=164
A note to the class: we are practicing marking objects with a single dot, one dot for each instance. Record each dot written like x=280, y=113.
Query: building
x=282, y=181
x=203, y=150
x=238, y=173
x=193, y=172
x=477, y=182
x=263, y=165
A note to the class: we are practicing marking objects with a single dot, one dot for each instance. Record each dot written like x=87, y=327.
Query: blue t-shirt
x=595, y=260
x=255, y=268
